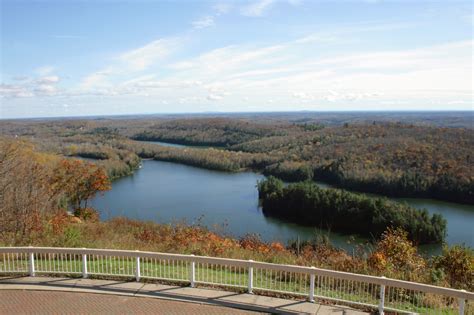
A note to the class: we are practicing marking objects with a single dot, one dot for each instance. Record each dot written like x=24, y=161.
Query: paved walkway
x=45, y=295
x=55, y=302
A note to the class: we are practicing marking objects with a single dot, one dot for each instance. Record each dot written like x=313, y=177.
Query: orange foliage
x=80, y=181
x=58, y=222
x=277, y=246
x=378, y=261
x=395, y=253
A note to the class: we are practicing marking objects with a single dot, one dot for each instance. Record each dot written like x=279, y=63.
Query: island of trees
x=330, y=208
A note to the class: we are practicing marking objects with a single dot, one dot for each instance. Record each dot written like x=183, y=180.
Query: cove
x=227, y=203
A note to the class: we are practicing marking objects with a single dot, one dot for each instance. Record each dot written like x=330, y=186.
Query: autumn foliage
x=36, y=190
x=80, y=181
x=418, y=158
x=396, y=254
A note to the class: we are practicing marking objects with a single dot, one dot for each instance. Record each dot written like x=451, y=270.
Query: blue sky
x=68, y=58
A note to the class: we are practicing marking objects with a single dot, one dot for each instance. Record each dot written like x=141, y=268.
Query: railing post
x=137, y=268
x=382, y=298
x=312, y=277
x=31, y=265
x=84, y=265
x=462, y=304
x=192, y=273
x=249, y=290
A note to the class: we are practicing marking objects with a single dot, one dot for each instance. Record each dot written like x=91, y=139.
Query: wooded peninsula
x=308, y=204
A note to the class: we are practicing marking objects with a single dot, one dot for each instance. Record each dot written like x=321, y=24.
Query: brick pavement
x=225, y=301
x=50, y=302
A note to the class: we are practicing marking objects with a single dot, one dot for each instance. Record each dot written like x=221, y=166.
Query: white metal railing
x=379, y=293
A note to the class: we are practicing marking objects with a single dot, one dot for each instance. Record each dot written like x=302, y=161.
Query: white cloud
x=48, y=79
x=167, y=84
x=222, y=8
x=94, y=80
x=45, y=70
x=125, y=64
x=303, y=96
x=257, y=8
x=214, y=97
x=337, y=96
x=268, y=70
x=318, y=38
x=153, y=84
x=45, y=90
x=14, y=91
x=204, y=22
x=43, y=86
x=140, y=58
x=181, y=65
x=276, y=72
x=226, y=59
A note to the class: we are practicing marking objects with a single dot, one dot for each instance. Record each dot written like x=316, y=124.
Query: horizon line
x=242, y=112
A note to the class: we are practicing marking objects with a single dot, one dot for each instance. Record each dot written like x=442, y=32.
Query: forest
x=340, y=210
x=33, y=212
x=376, y=154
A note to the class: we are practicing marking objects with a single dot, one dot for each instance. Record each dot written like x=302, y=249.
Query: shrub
x=87, y=214
x=457, y=262
x=395, y=254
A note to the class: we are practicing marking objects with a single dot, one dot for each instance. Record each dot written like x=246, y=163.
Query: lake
x=228, y=203
x=176, y=145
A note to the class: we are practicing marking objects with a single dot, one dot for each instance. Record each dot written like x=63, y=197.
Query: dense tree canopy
x=348, y=212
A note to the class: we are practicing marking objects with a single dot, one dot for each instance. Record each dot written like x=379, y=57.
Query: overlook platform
x=46, y=295
x=201, y=279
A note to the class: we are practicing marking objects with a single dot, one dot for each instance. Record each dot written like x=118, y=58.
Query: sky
x=105, y=57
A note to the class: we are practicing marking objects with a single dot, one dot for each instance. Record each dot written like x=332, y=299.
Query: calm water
x=228, y=202
x=175, y=145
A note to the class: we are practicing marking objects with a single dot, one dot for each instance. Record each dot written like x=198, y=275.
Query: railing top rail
x=246, y=263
